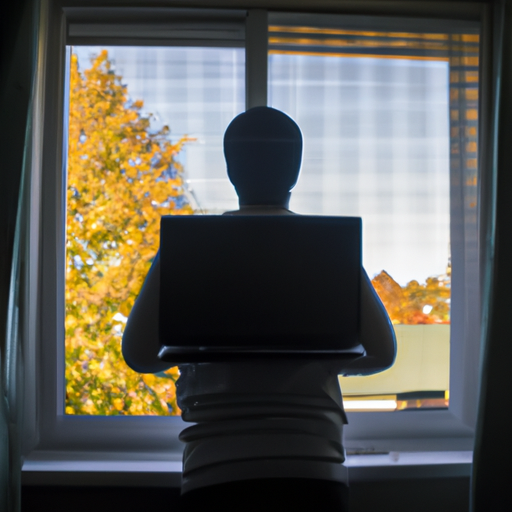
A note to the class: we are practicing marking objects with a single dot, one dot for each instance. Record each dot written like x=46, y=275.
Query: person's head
x=263, y=150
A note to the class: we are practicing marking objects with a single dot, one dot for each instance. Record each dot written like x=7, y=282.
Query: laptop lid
x=256, y=285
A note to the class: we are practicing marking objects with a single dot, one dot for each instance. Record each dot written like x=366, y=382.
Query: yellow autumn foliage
x=122, y=178
x=415, y=303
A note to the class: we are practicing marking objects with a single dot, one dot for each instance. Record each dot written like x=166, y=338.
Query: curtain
x=17, y=101
x=493, y=450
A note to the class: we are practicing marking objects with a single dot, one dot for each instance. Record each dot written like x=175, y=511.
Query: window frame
x=50, y=437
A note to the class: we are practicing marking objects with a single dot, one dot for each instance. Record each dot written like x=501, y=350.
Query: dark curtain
x=17, y=19
x=493, y=449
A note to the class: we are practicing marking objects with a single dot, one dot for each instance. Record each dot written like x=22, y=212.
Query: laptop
x=241, y=287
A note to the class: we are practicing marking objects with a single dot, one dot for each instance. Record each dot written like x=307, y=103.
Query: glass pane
x=379, y=113
x=145, y=140
x=376, y=145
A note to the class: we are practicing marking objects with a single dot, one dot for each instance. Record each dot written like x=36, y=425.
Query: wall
x=439, y=495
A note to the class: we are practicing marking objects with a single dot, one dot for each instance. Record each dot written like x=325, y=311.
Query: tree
x=121, y=178
x=414, y=303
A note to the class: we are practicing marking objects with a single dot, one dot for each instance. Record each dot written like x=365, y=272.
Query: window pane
x=145, y=140
x=380, y=118
x=376, y=145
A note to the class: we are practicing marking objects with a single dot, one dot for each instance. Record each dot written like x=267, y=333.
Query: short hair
x=263, y=150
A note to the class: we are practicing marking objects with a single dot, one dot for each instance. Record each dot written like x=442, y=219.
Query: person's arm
x=140, y=338
x=376, y=331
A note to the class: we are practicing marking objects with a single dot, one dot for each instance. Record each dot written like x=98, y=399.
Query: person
x=262, y=427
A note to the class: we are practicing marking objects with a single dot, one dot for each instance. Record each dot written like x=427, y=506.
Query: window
x=125, y=169
x=136, y=437
x=376, y=127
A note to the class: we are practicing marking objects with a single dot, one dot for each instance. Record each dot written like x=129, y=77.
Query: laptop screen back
x=260, y=282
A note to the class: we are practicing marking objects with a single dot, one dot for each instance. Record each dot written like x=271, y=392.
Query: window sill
x=86, y=470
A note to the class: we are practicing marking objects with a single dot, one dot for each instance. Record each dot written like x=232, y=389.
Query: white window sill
x=83, y=471
x=409, y=465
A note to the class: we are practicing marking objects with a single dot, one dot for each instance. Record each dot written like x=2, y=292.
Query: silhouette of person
x=262, y=426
